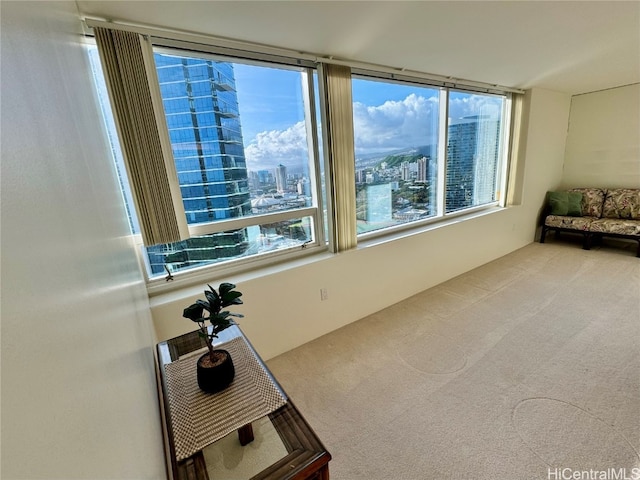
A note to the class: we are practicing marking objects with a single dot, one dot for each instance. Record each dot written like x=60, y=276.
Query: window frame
x=314, y=212
x=323, y=206
x=223, y=225
x=502, y=168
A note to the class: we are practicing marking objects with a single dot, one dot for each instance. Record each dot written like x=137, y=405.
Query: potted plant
x=215, y=370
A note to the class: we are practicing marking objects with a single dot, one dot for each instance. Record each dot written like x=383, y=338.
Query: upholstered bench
x=595, y=213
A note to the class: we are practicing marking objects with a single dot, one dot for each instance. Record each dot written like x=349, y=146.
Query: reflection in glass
x=235, y=244
x=473, y=150
x=229, y=460
x=239, y=135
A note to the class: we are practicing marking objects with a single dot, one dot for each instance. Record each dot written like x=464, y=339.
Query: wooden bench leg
x=543, y=233
x=245, y=434
x=587, y=242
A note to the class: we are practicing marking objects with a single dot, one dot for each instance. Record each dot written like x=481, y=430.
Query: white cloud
x=390, y=126
x=395, y=124
x=474, y=105
x=273, y=147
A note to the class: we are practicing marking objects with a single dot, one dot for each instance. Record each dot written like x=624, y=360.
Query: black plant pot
x=217, y=377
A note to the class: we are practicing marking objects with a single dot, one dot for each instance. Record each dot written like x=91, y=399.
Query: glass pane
x=396, y=145
x=229, y=460
x=238, y=136
x=235, y=244
x=240, y=143
x=240, y=139
x=473, y=150
x=107, y=116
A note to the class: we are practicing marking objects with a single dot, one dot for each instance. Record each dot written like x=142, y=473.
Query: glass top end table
x=278, y=445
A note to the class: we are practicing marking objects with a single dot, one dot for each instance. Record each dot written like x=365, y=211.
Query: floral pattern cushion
x=619, y=226
x=622, y=203
x=592, y=200
x=574, y=223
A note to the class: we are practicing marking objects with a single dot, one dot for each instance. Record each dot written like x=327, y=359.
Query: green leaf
x=220, y=316
x=211, y=292
x=225, y=287
x=214, y=301
x=193, y=312
x=231, y=298
x=204, y=305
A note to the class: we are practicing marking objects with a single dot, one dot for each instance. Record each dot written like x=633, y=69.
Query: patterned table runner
x=198, y=419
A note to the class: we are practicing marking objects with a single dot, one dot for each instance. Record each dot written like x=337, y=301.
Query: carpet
x=525, y=368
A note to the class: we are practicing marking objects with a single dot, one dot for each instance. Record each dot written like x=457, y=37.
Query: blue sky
x=387, y=116
x=268, y=98
x=372, y=92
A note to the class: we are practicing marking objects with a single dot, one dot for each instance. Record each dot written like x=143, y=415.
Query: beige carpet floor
x=525, y=368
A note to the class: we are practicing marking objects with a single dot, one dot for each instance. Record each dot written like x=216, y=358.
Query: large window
x=474, y=150
x=396, y=152
x=241, y=135
x=412, y=167
x=246, y=130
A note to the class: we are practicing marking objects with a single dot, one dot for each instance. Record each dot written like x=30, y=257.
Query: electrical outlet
x=324, y=295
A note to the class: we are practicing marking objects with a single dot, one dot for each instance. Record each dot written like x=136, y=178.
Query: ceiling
x=568, y=46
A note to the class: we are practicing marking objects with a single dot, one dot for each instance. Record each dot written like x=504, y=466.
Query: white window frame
x=503, y=154
x=237, y=51
x=314, y=212
x=158, y=283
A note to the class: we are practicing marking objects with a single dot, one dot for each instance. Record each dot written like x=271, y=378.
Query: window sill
x=179, y=288
x=235, y=273
x=433, y=224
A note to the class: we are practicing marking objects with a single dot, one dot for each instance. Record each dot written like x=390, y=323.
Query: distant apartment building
x=405, y=171
x=423, y=164
x=281, y=178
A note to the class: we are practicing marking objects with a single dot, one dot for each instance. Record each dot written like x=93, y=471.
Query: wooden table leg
x=245, y=434
x=323, y=473
x=193, y=468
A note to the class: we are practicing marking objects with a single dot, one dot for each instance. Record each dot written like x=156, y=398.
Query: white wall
x=603, y=145
x=283, y=310
x=78, y=383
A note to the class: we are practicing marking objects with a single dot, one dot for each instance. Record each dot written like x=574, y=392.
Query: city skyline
x=229, y=166
x=379, y=117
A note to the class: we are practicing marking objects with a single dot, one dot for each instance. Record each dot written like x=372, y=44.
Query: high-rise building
x=254, y=180
x=472, y=158
x=201, y=108
x=264, y=176
x=422, y=170
x=405, y=173
x=486, y=165
x=281, y=178
x=303, y=187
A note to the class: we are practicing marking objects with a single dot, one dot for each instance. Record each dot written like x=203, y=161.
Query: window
x=242, y=135
x=474, y=147
x=396, y=152
x=245, y=131
x=408, y=168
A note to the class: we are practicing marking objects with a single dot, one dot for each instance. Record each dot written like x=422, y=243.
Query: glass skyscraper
x=201, y=108
x=472, y=160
